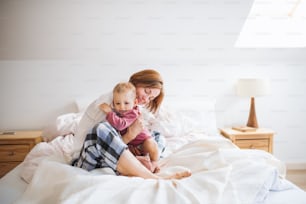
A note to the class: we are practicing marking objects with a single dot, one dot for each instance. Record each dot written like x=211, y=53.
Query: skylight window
x=274, y=24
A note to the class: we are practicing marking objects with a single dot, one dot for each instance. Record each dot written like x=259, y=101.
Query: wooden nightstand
x=14, y=148
x=259, y=139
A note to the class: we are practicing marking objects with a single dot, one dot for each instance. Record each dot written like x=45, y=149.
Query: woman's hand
x=105, y=108
x=133, y=131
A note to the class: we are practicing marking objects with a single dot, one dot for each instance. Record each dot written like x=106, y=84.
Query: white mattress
x=12, y=187
x=296, y=196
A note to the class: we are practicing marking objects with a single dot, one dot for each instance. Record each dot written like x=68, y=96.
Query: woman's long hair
x=149, y=78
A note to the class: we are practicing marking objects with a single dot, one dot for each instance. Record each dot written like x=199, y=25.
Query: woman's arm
x=133, y=131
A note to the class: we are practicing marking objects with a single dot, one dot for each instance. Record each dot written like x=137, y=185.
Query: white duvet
x=221, y=173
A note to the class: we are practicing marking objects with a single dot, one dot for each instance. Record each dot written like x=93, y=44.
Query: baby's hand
x=105, y=108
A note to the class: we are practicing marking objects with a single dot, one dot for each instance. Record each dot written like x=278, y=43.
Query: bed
x=221, y=172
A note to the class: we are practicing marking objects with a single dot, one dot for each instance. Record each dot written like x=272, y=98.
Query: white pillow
x=67, y=123
x=63, y=125
x=187, y=116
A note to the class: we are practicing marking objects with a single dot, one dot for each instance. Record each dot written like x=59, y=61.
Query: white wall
x=53, y=52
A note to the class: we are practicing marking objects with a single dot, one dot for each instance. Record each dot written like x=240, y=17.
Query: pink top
x=121, y=121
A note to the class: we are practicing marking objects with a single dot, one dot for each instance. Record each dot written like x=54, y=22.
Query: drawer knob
x=11, y=153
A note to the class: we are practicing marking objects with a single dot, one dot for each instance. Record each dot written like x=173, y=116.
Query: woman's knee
x=104, y=130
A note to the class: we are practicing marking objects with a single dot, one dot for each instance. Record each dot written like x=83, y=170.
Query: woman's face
x=145, y=94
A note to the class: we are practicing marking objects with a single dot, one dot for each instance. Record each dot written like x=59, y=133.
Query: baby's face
x=124, y=101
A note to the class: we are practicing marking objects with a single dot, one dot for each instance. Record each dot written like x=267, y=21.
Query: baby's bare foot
x=156, y=170
x=179, y=175
x=155, y=167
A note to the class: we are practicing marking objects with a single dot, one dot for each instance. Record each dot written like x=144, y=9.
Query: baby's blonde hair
x=125, y=86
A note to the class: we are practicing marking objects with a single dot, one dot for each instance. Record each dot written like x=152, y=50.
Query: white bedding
x=221, y=172
x=12, y=186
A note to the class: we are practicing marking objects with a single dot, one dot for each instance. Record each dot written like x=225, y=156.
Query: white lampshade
x=253, y=87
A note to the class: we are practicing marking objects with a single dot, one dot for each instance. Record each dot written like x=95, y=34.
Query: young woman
x=99, y=145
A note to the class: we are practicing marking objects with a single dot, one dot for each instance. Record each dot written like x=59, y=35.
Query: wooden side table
x=260, y=139
x=14, y=146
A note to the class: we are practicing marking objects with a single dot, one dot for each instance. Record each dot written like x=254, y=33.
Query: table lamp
x=252, y=88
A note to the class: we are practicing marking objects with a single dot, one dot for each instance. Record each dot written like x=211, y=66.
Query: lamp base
x=252, y=121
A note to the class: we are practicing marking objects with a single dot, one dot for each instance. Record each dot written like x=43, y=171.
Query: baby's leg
x=150, y=147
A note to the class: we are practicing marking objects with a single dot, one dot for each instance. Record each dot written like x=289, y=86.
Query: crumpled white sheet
x=61, y=148
x=58, y=149
x=221, y=173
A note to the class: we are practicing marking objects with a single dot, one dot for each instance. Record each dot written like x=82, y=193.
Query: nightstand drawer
x=261, y=138
x=262, y=144
x=6, y=167
x=13, y=152
x=15, y=146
